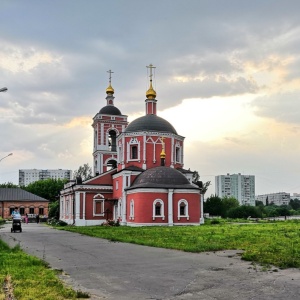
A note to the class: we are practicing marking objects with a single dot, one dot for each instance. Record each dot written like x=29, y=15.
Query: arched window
x=111, y=164
x=133, y=149
x=41, y=210
x=95, y=139
x=158, y=209
x=98, y=205
x=112, y=140
x=178, y=153
x=183, y=209
x=131, y=210
x=133, y=152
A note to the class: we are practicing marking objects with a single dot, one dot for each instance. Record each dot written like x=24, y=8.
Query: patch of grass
x=30, y=277
x=275, y=243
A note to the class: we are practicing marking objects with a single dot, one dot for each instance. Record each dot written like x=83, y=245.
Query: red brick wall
x=143, y=207
x=5, y=207
x=193, y=208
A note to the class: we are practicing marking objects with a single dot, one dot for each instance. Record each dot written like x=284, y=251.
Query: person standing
x=37, y=217
x=26, y=218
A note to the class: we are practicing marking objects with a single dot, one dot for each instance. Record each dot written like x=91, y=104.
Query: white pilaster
x=77, y=205
x=102, y=134
x=124, y=219
x=170, y=207
x=201, y=208
x=144, y=153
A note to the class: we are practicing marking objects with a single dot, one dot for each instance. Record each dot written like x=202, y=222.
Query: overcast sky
x=227, y=77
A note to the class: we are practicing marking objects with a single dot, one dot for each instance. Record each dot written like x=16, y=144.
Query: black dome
x=164, y=177
x=110, y=110
x=150, y=123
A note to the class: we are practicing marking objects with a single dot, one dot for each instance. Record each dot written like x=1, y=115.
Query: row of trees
x=229, y=207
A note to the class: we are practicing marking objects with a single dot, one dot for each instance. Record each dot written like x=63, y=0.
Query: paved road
x=109, y=270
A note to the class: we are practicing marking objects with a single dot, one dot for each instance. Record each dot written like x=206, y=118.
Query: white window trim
x=131, y=210
x=120, y=208
x=162, y=209
x=98, y=198
x=179, y=156
x=133, y=142
x=186, y=209
x=67, y=208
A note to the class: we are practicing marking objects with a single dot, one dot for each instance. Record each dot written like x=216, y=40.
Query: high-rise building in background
x=241, y=187
x=27, y=176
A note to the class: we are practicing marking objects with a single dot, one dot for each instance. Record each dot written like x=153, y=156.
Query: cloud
x=283, y=107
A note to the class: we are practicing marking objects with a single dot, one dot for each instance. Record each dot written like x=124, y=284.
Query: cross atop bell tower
x=110, y=91
x=151, y=95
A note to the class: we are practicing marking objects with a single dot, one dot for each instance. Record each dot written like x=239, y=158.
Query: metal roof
x=17, y=194
x=162, y=177
x=110, y=110
x=150, y=123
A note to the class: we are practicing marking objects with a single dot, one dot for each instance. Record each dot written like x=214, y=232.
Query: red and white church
x=139, y=176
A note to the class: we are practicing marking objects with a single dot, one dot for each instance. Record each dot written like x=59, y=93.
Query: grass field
x=276, y=243
x=29, y=278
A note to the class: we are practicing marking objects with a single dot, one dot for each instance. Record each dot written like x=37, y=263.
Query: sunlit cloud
x=16, y=59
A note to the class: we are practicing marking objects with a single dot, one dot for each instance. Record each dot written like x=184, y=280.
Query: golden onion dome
x=110, y=90
x=151, y=94
x=163, y=153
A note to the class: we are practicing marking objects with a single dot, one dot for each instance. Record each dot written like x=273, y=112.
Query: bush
x=2, y=221
x=111, y=223
x=215, y=221
x=55, y=222
x=244, y=212
x=54, y=210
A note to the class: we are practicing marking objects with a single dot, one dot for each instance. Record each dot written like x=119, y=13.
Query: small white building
x=27, y=176
x=280, y=198
x=241, y=187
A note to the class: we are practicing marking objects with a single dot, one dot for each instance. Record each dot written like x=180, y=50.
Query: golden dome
x=151, y=94
x=110, y=90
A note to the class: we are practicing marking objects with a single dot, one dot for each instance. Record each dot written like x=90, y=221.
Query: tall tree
x=202, y=185
x=295, y=204
x=85, y=172
x=228, y=203
x=214, y=206
x=47, y=188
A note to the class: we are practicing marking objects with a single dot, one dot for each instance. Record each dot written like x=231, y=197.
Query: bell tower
x=108, y=123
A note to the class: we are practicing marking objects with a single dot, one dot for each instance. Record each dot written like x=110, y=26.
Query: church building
x=139, y=178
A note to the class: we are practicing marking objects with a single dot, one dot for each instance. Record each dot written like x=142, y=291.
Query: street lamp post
x=3, y=89
x=6, y=156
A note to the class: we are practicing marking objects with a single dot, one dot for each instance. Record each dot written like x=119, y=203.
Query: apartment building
x=27, y=176
x=280, y=198
x=241, y=187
